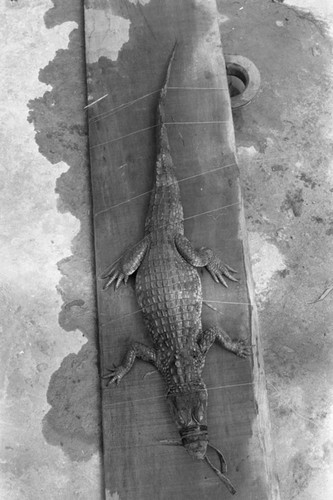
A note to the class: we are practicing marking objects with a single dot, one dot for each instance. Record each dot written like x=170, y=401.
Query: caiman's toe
x=111, y=379
x=116, y=277
x=219, y=271
x=230, y=268
x=243, y=350
x=109, y=283
x=114, y=376
x=230, y=276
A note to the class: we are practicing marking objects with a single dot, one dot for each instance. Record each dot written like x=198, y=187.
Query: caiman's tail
x=165, y=206
x=164, y=166
x=163, y=141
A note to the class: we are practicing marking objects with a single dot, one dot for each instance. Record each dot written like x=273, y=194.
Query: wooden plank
x=122, y=145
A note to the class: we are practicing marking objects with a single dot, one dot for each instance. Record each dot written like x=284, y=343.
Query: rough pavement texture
x=51, y=440
x=61, y=134
x=49, y=384
x=285, y=152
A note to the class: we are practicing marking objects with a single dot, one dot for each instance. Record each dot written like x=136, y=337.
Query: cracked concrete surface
x=50, y=435
x=98, y=23
x=49, y=383
x=284, y=141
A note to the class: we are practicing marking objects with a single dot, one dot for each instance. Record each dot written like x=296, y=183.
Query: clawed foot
x=218, y=269
x=115, y=375
x=242, y=350
x=115, y=274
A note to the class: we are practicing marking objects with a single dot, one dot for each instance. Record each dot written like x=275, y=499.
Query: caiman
x=169, y=292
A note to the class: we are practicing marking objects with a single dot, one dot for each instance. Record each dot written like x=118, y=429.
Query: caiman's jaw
x=195, y=441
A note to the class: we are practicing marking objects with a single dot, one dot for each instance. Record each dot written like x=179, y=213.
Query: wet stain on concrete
x=279, y=168
x=294, y=200
x=73, y=394
x=318, y=220
x=329, y=231
x=307, y=180
x=77, y=302
x=288, y=125
x=73, y=422
x=287, y=187
x=284, y=273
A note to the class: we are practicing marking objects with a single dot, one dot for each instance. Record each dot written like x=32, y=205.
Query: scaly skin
x=169, y=292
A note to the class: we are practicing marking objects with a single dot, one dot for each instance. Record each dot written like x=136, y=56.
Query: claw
x=244, y=350
x=112, y=379
x=114, y=374
x=219, y=270
x=230, y=268
x=114, y=273
x=110, y=370
x=215, y=278
x=228, y=275
x=110, y=375
x=109, y=282
x=221, y=279
x=109, y=270
x=119, y=280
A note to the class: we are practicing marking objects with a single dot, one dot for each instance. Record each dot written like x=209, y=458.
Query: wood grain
x=128, y=44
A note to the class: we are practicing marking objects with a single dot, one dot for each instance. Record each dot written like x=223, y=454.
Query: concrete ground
x=50, y=419
x=285, y=152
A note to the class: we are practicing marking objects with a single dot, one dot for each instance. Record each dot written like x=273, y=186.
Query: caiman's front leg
x=208, y=337
x=204, y=257
x=136, y=350
x=126, y=265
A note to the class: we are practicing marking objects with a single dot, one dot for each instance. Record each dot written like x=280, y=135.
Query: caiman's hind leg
x=126, y=265
x=204, y=257
x=136, y=350
x=208, y=337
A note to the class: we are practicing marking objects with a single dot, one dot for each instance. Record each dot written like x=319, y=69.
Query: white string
x=207, y=172
x=204, y=301
x=196, y=123
x=121, y=203
x=222, y=302
x=95, y=102
x=211, y=211
x=130, y=103
x=185, y=218
x=121, y=106
x=119, y=318
x=197, y=88
x=176, y=182
x=154, y=126
x=122, y=137
x=151, y=398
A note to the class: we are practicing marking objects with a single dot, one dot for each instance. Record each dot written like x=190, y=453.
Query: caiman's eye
x=182, y=418
x=198, y=415
x=203, y=396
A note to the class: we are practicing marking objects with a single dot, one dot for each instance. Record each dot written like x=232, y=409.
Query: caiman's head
x=189, y=410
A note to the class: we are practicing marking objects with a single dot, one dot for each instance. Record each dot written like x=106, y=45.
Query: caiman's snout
x=196, y=449
x=195, y=441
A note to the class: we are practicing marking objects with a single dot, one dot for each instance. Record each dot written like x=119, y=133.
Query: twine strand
x=125, y=105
